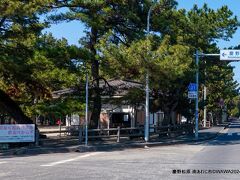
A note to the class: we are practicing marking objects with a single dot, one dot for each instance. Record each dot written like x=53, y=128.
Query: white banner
x=17, y=133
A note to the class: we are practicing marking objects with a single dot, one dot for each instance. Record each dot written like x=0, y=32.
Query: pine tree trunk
x=96, y=96
x=13, y=109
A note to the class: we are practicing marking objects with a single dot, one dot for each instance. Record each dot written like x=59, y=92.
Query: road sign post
x=192, y=91
x=225, y=55
x=193, y=94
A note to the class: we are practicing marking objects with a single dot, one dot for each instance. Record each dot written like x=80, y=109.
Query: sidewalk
x=57, y=144
x=52, y=130
x=204, y=135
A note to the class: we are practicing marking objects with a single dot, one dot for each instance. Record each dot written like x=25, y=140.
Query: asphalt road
x=186, y=161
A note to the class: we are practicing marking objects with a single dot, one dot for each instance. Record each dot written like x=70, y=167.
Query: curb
x=38, y=150
x=111, y=147
x=115, y=147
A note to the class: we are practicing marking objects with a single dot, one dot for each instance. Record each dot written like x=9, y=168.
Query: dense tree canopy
x=169, y=57
x=19, y=27
x=126, y=20
x=33, y=65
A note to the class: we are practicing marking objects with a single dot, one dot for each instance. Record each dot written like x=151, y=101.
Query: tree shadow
x=225, y=139
x=220, y=140
x=62, y=145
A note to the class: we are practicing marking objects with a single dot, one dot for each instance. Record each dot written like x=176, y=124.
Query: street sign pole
x=227, y=55
x=196, y=107
x=197, y=87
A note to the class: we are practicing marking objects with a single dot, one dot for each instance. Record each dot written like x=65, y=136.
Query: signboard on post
x=192, y=94
x=17, y=133
x=192, y=87
x=192, y=91
x=230, y=55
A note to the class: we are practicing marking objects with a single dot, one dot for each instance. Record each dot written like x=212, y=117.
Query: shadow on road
x=220, y=140
x=208, y=138
x=226, y=139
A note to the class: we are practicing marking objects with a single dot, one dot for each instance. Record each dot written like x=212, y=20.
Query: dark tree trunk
x=173, y=113
x=13, y=109
x=167, y=116
x=96, y=96
x=168, y=110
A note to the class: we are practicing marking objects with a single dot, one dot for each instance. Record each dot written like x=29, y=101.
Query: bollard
x=169, y=131
x=118, y=134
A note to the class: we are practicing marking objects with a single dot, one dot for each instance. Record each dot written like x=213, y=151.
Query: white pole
x=204, y=97
x=205, y=107
x=146, y=131
x=86, y=113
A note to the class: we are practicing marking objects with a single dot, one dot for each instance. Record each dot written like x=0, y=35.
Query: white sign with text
x=192, y=94
x=230, y=55
x=17, y=133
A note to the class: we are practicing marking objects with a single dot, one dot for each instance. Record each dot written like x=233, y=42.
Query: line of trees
x=33, y=64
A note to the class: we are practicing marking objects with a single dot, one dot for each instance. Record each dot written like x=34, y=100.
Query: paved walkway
x=53, y=144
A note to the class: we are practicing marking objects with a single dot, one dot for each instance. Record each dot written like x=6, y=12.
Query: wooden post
x=60, y=129
x=108, y=124
x=118, y=134
x=169, y=131
x=37, y=137
x=80, y=135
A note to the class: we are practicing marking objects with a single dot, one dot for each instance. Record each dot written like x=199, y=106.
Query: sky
x=74, y=30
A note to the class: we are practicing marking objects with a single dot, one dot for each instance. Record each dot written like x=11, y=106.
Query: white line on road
x=233, y=133
x=69, y=160
x=2, y=162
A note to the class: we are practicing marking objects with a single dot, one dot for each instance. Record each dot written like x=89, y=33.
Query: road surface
x=215, y=159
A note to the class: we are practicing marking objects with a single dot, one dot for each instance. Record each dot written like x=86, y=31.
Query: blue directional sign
x=192, y=87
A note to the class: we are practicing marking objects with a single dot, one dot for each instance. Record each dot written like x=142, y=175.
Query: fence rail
x=170, y=130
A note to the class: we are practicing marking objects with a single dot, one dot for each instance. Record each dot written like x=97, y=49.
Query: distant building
x=112, y=114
